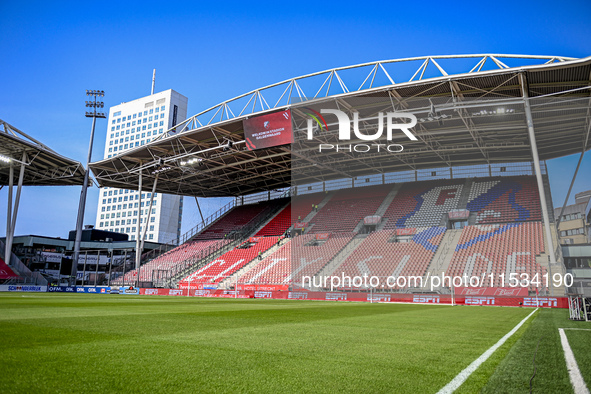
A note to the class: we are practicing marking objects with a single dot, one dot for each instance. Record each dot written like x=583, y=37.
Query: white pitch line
x=462, y=376
x=576, y=379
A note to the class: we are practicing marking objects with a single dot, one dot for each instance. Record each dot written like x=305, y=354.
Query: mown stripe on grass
x=463, y=375
x=574, y=373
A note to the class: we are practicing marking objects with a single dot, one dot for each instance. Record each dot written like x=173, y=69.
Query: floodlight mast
x=93, y=104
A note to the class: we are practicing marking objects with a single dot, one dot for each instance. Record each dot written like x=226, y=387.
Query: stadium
x=415, y=226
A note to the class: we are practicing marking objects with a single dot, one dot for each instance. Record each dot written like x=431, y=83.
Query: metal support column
x=149, y=213
x=13, y=210
x=84, y=269
x=138, y=244
x=9, y=213
x=110, y=268
x=124, y=266
x=82, y=205
x=574, y=177
x=534, y=150
x=199, y=208
x=98, y=259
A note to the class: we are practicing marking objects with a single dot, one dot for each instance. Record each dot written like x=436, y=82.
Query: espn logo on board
x=425, y=299
x=479, y=300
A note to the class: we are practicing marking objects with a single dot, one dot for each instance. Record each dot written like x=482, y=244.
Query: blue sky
x=211, y=51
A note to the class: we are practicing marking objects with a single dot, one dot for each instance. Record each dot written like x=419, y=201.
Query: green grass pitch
x=111, y=343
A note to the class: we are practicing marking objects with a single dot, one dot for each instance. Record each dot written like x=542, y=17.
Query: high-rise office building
x=131, y=125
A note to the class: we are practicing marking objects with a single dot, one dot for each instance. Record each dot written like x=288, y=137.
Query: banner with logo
x=61, y=289
x=458, y=214
x=303, y=294
x=405, y=231
x=493, y=291
x=23, y=288
x=129, y=290
x=372, y=220
x=268, y=130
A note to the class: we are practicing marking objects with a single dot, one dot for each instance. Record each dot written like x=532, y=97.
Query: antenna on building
x=153, y=80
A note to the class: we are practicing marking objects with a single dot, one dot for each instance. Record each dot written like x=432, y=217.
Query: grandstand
x=305, y=255
x=381, y=255
x=499, y=250
x=346, y=209
x=502, y=235
x=423, y=204
x=240, y=216
x=230, y=262
x=469, y=195
x=505, y=200
x=172, y=260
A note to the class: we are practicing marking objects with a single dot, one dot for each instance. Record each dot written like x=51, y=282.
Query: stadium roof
x=471, y=111
x=43, y=166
